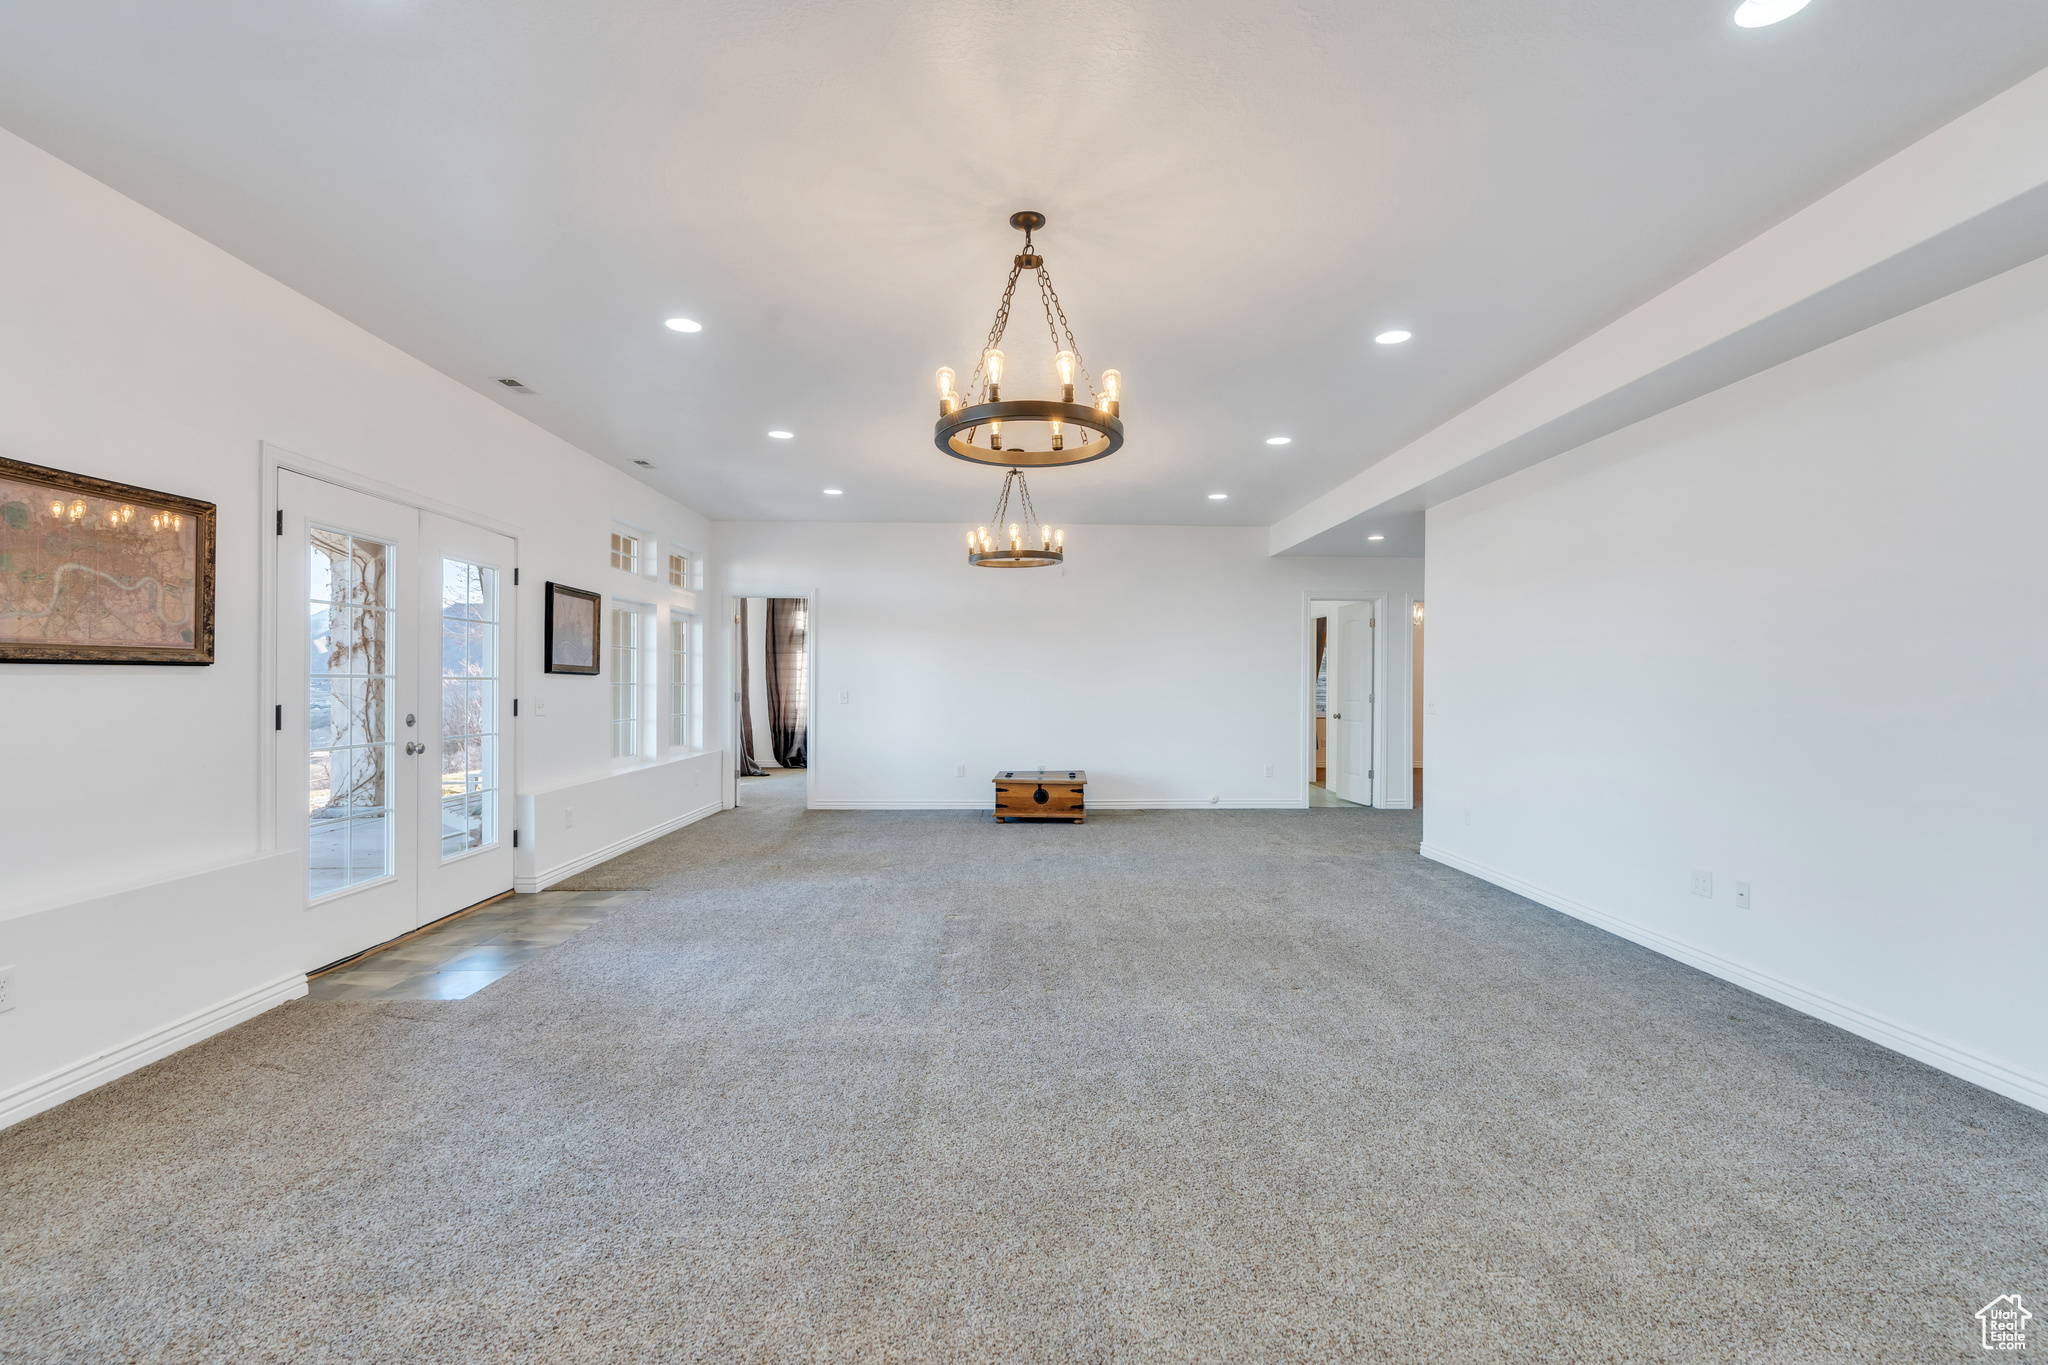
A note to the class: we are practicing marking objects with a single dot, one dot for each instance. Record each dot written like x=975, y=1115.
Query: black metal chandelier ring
x=955, y=432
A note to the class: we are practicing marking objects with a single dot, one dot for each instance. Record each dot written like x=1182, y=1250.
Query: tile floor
x=468, y=953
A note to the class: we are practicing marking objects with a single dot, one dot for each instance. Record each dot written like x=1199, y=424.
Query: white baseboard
x=2010, y=1081
x=988, y=805
x=47, y=1092
x=548, y=876
x=1155, y=803
x=901, y=805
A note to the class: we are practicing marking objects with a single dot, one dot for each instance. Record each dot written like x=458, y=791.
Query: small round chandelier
x=1018, y=544
x=1076, y=432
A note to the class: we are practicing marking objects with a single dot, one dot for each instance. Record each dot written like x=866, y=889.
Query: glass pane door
x=351, y=754
x=469, y=707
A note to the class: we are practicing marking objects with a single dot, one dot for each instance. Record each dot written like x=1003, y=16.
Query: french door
x=394, y=743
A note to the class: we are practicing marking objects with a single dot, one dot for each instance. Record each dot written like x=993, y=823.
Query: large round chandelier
x=1074, y=433
x=1021, y=544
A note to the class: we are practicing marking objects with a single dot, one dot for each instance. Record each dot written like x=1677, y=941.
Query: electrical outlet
x=1269, y=770
x=6, y=989
x=540, y=706
x=1742, y=895
x=1703, y=883
x=960, y=771
x=568, y=817
x=845, y=698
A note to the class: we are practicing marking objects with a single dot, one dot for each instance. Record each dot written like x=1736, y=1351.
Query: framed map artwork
x=102, y=573
x=571, y=630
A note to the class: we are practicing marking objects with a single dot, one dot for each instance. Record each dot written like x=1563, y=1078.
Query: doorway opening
x=1344, y=653
x=772, y=645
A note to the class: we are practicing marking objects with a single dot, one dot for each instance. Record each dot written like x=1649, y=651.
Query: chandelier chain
x=995, y=333
x=1030, y=513
x=1050, y=297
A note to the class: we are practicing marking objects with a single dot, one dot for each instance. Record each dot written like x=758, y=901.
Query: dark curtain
x=748, y=767
x=789, y=710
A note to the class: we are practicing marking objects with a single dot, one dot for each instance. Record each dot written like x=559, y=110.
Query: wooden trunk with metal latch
x=1045, y=795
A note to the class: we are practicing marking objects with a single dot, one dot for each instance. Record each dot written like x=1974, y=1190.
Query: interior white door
x=463, y=780
x=1351, y=703
x=346, y=683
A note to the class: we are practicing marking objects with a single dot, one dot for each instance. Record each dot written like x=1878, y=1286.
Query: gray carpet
x=1216, y=1086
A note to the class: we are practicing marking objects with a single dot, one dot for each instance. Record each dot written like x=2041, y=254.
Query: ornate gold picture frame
x=97, y=572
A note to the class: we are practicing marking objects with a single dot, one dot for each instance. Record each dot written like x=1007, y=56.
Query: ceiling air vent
x=509, y=382
x=645, y=464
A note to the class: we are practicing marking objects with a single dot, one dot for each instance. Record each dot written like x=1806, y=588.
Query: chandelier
x=1019, y=545
x=1096, y=429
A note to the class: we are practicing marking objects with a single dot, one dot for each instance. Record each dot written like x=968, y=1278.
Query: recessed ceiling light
x=782, y=435
x=1278, y=440
x=1393, y=338
x=684, y=325
x=1759, y=13
x=1218, y=497
x=1375, y=537
x=834, y=492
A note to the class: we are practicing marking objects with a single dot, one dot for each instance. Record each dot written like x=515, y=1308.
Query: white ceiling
x=1239, y=197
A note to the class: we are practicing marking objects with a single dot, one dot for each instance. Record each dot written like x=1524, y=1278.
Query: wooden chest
x=1054, y=794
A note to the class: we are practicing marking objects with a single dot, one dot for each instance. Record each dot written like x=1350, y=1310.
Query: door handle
x=1336, y=715
x=412, y=748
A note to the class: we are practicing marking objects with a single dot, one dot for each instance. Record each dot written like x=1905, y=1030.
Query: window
x=625, y=683
x=679, y=682
x=626, y=551
x=469, y=707
x=352, y=749
x=679, y=571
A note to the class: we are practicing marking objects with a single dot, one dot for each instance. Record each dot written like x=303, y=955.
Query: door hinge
x=1368, y=774
x=515, y=577
x=280, y=715
x=280, y=521
x=1371, y=622
x=515, y=838
x=515, y=706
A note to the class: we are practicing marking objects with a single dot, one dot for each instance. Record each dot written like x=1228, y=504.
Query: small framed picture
x=95, y=572
x=572, y=622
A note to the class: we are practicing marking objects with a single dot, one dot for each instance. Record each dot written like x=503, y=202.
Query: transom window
x=679, y=571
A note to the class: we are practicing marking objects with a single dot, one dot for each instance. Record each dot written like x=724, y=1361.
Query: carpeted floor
x=1218, y=1086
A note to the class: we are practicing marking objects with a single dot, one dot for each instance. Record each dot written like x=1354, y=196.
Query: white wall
x=132, y=350
x=1793, y=633
x=1170, y=662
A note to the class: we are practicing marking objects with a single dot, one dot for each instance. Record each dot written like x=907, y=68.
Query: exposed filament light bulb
x=1059, y=441
x=1045, y=536
x=1065, y=363
x=1112, y=392
x=995, y=431
x=948, y=400
x=1059, y=540
x=994, y=360
x=970, y=542
x=1016, y=542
